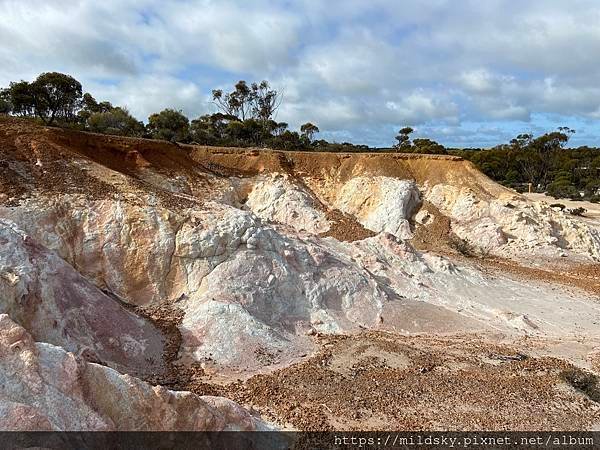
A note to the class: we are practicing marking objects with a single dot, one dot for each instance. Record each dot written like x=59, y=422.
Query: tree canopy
x=308, y=130
x=115, y=121
x=169, y=125
x=56, y=95
x=256, y=101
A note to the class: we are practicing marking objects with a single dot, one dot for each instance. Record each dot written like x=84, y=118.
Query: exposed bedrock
x=43, y=387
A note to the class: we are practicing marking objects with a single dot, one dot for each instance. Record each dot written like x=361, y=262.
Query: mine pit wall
x=129, y=155
x=341, y=167
x=133, y=245
x=210, y=173
x=115, y=240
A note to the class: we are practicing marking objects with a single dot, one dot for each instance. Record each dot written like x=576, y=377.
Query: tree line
x=246, y=118
x=545, y=162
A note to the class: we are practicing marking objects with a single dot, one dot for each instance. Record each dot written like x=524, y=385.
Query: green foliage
x=403, y=138
x=256, y=101
x=117, y=121
x=5, y=106
x=56, y=96
x=210, y=129
x=308, y=130
x=543, y=161
x=563, y=189
x=169, y=125
x=246, y=120
x=419, y=145
x=91, y=107
x=20, y=96
x=428, y=146
x=52, y=96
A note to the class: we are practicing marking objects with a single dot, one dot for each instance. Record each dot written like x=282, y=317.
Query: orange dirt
x=24, y=141
x=380, y=381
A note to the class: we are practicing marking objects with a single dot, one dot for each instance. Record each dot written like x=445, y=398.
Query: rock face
x=234, y=239
x=513, y=227
x=121, y=246
x=252, y=294
x=47, y=296
x=277, y=199
x=43, y=387
x=380, y=203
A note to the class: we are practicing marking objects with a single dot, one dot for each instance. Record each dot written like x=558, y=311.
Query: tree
x=249, y=132
x=117, y=121
x=309, y=130
x=20, y=96
x=403, y=139
x=56, y=95
x=169, y=125
x=279, y=128
x=265, y=101
x=536, y=157
x=237, y=103
x=257, y=101
x=89, y=103
x=5, y=104
x=542, y=161
x=288, y=140
x=428, y=146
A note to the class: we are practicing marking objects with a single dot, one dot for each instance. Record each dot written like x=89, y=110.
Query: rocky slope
x=46, y=388
x=249, y=255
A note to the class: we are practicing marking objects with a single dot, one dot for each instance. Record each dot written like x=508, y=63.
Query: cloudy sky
x=464, y=72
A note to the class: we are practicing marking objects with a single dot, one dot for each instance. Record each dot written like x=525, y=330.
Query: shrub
x=118, y=121
x=577, y=211
x=563, y=190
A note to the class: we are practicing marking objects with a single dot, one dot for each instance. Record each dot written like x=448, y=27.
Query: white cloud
x=152, y=93
x=359, y=69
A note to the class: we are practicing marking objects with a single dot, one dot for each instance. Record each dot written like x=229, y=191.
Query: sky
x=467, y=73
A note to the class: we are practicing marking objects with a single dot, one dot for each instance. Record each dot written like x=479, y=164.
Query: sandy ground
x=593, y=209
x=377, y=381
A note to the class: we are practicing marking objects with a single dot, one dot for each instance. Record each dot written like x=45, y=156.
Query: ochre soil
x=377, y=381
x=24, y=141
x=581, y=276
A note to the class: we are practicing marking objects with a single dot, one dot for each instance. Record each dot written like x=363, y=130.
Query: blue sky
x=463, y=72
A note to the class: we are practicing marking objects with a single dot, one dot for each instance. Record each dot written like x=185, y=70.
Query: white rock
x=42, y=387
x=380, y=203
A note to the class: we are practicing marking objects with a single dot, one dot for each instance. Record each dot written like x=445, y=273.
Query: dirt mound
x=341, y=167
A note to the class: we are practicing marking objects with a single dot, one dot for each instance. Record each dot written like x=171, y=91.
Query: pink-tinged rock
x=57, y=305
x=43, y=387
